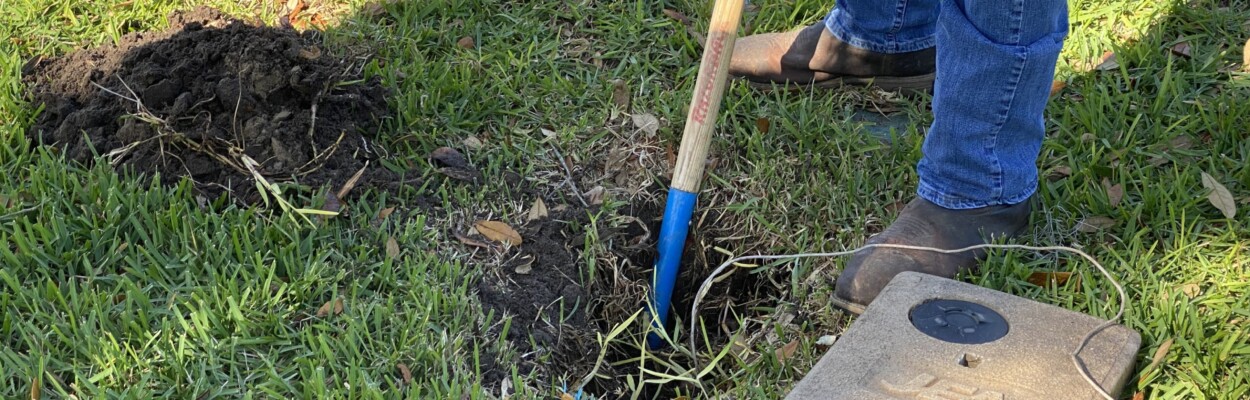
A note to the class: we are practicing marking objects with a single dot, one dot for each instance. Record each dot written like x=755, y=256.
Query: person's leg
x=888, y=44
x=995, y=62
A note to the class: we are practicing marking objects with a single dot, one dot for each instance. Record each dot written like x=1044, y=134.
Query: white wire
x=1076, y=359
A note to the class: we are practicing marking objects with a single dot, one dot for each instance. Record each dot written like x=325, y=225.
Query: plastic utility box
x=931, y=338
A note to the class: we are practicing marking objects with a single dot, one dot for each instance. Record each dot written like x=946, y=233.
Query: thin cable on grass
x=1076, y=359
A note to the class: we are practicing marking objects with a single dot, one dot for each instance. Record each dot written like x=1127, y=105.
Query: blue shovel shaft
x=672, y=242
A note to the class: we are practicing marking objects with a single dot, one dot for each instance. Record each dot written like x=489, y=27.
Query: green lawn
x=110, y=287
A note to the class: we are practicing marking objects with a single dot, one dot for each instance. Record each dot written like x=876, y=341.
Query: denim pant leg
x=995, y=63
x=885, y=26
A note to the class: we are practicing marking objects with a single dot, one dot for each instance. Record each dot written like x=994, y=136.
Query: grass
x=114, y=288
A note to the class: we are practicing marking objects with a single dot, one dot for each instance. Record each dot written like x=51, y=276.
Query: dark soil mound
x=208, y=97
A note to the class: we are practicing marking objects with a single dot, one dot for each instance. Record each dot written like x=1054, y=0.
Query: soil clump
x=215, y=100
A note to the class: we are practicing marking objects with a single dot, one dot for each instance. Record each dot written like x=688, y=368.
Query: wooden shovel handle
x=708, y=93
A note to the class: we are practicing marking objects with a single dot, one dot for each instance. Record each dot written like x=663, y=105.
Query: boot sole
x=903, y=84
x=847, y=305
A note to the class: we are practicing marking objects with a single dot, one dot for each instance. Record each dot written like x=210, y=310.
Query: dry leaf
x=472, y=143
x=332, y=203
x=674, y=14
x=1051, y=278
x=332, y=307
x=1107, y=62
x=386, y=212
x=526, y=266
x=351, y=183
x=471, y=241
x=647, y=122
x=392, y=248
x=784, y=353
x=538, y=210
x=1056, y=87
x=595, y=195
x=1139, y=396
x=566, y=396
x=499, y=232
x=1094, y=224
x=1160, y=353
x=405, y=373
x=35, y=389
x=763, y=124
x=1191, y=290
x=620, y=94
x=1182, y=49
x=1115, y=193
x=1220, y=197
x=310, y=53
x=466, y=42
x=698, y=36
x=1059, y=172
x=549, y=134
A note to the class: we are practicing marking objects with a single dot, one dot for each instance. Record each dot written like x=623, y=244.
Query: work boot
x=923, y=223
x=812, y=56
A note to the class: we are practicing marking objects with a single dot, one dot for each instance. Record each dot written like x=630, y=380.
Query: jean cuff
x=844, y=34
x=953, y=202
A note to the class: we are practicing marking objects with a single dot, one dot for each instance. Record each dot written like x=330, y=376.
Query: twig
x=569, y=174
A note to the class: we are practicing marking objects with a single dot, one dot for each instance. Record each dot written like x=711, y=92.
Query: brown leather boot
x=923, y=223
x=812, y=56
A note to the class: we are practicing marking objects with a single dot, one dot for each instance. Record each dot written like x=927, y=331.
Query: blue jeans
x=995, y=64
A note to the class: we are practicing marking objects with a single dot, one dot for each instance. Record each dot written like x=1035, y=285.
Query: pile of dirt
x=215, y=100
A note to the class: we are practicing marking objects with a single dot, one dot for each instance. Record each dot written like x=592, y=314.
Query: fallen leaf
x=1056, y=87
x=36, y=389
x=385, y=212
x=1160, y=353
x=698, y=36
x=1220, y=197
x=1107, y=62
x=1191, y=290
x=498, y=232
x=310, y=53
x=763, y=124
x=826, y=340
x=647, y=122
x=620, y=94
x=549, y=134
x=392, y=248
x=1059, y=172
x=466, y=42
x=1115, y=193
x=1182, y=49
x=566, y=396
x=351, y=183
x=455, y=164
x=595, y=195
x=1094, y=224
x=784, y=353
x=472, y=143
x=332, y=307
x=538, y=210
x=526, y=266
x=405, y=373
x=1139, y=396
x=674, y=14
x=1051, y=278
x=471, y=241
x=332, y=203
